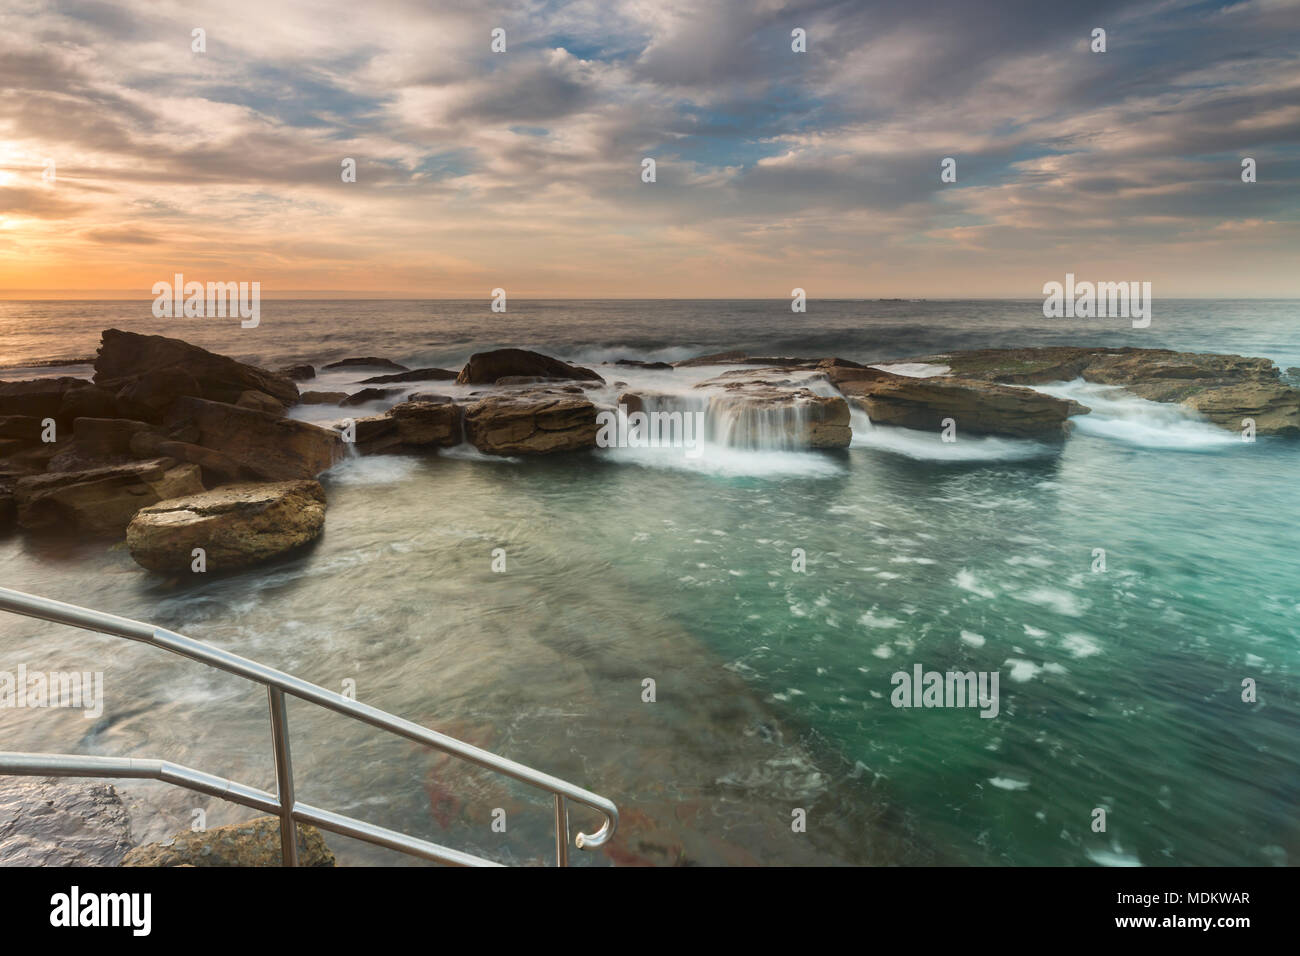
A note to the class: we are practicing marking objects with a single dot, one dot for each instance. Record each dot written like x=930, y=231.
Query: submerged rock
x=414, y=375
x=237, y=525
x=255, y=843
x=368, y=361
x=100, y=501
x=298, y=373
x=535, y=421
x=485, y=368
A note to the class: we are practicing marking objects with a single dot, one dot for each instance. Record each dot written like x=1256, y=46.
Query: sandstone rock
x=978, y=408
x=61, y=822
x=534, y=422
x=297, y=373
x=149, y=395
x=369, y=395
x=100, y=501
x=415, y=375
x=260, y=402
x=126, y=357
x=217, y=467
x=637, y=363
x=1225, y=388
x=255, y=843
x=322, y=398
x=87, y=401
x=8, y=507
x=97, y=442
x=367, y=362
x=236, y=525
x=485, y=368
x=277, y=449
x=38, y=398
x=24, y=428
x=428, y=423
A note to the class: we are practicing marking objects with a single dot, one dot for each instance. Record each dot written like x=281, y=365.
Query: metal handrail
x=284, y=804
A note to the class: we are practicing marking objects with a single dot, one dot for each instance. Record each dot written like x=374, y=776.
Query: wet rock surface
x=61, y=822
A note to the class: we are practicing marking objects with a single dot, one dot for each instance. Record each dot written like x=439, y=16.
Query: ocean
x=1121, y=689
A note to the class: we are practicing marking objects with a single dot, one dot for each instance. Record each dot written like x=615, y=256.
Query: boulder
x=415, y=375
x=276, y=449
x=485, y=368
x=428, y=423
x=126, y=358
x=322, y=398
x=236, y=525
x=61, y=822
x=260, y=402
x=367, y=362
x=97, y=442
x=255, y=843
x=149, y=395
x=297, y=373
x=534, y=422
x=100, y=501
x=369, y=395
x=978, y=408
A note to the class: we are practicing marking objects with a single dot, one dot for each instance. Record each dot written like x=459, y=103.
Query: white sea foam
x=915, y=369
x=930, y=446
x=1121, y=416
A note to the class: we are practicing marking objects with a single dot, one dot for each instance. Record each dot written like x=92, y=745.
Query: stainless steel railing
x=283, y=803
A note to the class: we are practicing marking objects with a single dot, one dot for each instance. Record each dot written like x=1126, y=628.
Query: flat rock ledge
x=236, y=525
x=61, y=822
x=255, y=843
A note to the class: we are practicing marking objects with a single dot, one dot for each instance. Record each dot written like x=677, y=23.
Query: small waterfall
x=733, y=419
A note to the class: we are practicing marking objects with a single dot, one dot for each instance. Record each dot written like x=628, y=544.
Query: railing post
x=283, y=777
x=561, y=832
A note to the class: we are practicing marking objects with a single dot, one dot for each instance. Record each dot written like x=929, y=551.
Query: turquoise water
x=1120, y=689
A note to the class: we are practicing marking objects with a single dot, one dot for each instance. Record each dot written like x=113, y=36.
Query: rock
x=978, y=408
x=8, y=507
x=150, y=394
x=428, y=397
x=255, y=843
x=485, y=368
x=276, y=449
x=367, y=362
x=100, y=501
x=97, y=442
x=369, y=395
x=24, y=428
x=428, y=423
x=236, y=525
x=534, y=422
x=322, y=398
x=87, y=401
x=217, y=467
x=61, y=822
x=125, y=358
x=415, y=375
x=37, y=398
x=1246, y=387
x=636, y=363
x=735, y=357
x=260, y=402
x=297, y=373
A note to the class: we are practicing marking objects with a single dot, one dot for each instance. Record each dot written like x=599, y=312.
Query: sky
x=127, y=157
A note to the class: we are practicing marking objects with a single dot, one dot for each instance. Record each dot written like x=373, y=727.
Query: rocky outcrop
x=322, y=398
x=61, y=822
x=276, y=449
x=149, y=372
x=533, y=421
x=370, y=395
x=236, y=525
x=436, y=424
x=100, y=501
x=97, y=442
x=255, y=843
x=38, y=398
x=415, y=375
x=1224, y=388
x=488, y=368
x=297, y=373
x=368, y=361
x=977, y=407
